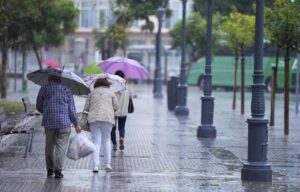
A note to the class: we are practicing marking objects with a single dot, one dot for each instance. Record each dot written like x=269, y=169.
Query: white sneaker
x=108, y=168
x=96, y=169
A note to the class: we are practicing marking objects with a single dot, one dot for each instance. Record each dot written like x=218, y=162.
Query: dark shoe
x=50, y=172
x=58, y=174
x=114, y=147
x=121, y=143
x=95, y=169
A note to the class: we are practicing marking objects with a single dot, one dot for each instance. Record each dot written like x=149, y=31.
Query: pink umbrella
x=52, y=63
x=131, y=68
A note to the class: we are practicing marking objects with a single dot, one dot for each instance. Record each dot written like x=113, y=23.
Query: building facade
x=79, y=48
x=98, y=14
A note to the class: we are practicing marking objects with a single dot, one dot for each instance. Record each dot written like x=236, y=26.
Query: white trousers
x=100, y=131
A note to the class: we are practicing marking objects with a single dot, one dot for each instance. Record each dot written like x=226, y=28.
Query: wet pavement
x=163, y=153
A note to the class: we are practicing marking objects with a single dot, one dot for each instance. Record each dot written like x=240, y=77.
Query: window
x=85, y=4
x=71, y=45
x=88, y=14
x=86, y=45
x=93, y=18
x=102, y=18
x=167, y=23
x=135, y=23
x=84, y=18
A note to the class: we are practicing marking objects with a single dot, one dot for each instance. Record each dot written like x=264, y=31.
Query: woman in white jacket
x=121, y=114
x=101, y=105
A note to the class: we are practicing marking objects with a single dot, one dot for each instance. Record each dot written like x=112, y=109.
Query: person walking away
x=121, y=114
x=101, y=105
x=56, y=103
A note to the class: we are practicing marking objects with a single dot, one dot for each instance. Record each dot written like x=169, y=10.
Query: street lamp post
x=181, y=108
x=256, y=168
x=206, y=129
x=158, y=82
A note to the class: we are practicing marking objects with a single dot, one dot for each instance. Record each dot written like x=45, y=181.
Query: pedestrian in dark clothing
x=55, y=102
x=121, y=114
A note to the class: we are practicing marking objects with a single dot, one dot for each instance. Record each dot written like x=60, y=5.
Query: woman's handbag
x=83, y=121
x=130, y=106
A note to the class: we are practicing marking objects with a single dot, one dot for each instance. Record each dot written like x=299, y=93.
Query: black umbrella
x=70, y=79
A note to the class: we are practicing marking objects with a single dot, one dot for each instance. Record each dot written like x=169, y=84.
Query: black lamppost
x=181, y=108
x=206, y=129
x=256, y=168
x=158, y=81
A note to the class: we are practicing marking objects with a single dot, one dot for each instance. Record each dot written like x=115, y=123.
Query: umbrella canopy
x=131, y=68
x=70, y=79
x=117, y=83
x=52, y=63
x=92, y=69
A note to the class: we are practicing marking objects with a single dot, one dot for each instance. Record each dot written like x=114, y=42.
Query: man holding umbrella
x=55, y=101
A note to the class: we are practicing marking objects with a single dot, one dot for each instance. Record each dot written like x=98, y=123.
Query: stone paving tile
x=162, y=153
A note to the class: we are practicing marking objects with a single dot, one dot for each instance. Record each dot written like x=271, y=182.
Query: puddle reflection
x=52, y=184
x=101, y=183
x=257, y=186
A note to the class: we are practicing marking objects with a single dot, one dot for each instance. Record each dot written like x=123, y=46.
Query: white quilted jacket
x=101, y=105
x=123, y=100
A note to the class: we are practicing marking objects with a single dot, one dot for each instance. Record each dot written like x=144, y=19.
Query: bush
x=11, y=106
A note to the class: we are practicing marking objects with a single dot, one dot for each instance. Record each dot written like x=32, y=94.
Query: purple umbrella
x=130, y=67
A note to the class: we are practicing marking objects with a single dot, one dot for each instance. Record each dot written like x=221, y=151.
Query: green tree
x=239, y=30
x=283, y=28
x=231, y=29
x=7, y=35
x=126, y=12
x=116, y=35
x=119, y=35
x=224, y=6
x=117, y=32
x=140, y=10
x=56, y=20
x=196, y=35
x=33, y=23
x=267, y=34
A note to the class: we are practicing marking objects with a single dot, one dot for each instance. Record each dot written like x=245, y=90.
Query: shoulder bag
x=130, y=106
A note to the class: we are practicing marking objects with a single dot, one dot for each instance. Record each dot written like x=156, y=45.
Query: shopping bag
x=80, y=146
x=83, y=121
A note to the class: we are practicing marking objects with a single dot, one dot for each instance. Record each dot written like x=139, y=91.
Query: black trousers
x=120, y=122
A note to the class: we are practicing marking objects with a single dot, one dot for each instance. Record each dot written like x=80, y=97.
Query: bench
x=30, y=112
x=3, y=121
x=7, y=129
x=21, y=127
x=28, y=107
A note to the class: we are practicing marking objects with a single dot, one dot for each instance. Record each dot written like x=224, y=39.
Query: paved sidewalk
x=162, y=153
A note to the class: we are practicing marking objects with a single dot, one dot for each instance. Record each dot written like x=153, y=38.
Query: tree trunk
x=235, y=78
x=242, y=80
x=148, y=66
x=4, y=51
x=194, y=58
x=15, y=70
x=297, y=82
x=37, y=55
x=286, y=90
x=24, y=70
x=273, y=93
x=166, y=67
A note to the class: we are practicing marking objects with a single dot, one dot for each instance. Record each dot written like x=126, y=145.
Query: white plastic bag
x=80, y=146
